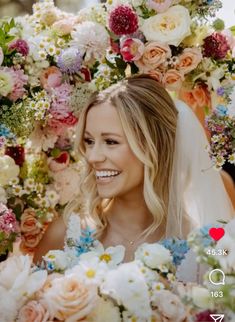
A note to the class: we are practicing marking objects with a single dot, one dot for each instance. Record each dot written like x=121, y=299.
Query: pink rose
x=131, y=49
x=51, y=77
x=155, y=54
x=173, y=80
x=159, y=6
x=63, y=27
x=33, y=311
x=59, y=163
x=68, y=299
x=189, y=60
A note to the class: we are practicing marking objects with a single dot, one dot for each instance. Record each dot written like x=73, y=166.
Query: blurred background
x=20, y=7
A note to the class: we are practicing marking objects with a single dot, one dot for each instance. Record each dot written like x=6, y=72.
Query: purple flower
x=20, y=46
x=70, y=61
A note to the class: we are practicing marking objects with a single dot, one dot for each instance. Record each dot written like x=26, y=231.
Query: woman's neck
x=122, y=212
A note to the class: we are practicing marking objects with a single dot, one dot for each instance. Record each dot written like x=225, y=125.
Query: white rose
x=153, y=255
x=170, y=27
x=170, y=306
x=201, y=297
x=104, y=311
x=16, y=276
x=9, y=170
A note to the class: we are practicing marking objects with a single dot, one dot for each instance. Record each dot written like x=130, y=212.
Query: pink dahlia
x=20, y=46
x=123, y=20
x=215, y=46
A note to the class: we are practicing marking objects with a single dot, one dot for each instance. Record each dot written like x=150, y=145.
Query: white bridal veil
x=197, y=193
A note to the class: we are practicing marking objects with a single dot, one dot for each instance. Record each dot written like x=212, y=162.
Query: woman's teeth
x=106, y=174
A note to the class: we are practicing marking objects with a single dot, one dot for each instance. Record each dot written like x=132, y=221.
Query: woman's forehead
x=103, y=118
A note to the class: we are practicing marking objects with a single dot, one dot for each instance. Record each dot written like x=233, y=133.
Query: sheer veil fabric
x=197, y=193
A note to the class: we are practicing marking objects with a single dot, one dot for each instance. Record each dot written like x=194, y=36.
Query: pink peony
x=20, y=46
x=51, y=78
x=123, y=20
x=159, y=6
x=15, y=87
x=61, y=115
x=215, y=46
x=131, y=49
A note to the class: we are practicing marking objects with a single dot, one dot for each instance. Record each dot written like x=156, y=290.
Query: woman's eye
x=111, y=142
x=88, y=141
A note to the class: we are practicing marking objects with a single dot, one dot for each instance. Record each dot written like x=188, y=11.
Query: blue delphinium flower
x=221, y=110
x=85, y=242
x=178, y=249
x=5, y=132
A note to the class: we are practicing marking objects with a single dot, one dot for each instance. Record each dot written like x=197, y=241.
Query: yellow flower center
x=105, y=257
x=90, y=273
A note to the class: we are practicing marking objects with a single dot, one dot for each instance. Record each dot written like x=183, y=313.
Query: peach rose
x=29, y=222
x=155, y=53
x=33, y=311
x=197, y=97
x=63, y=27
x=30, y=240
x=189, y=60
x=173, y=80
x=51, y=77
x=156, y=74
x=68, y=299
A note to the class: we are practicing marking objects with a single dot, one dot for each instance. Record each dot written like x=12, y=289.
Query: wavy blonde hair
x=149, y=118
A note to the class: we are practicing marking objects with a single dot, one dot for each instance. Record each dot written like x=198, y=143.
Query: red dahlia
x=17, y=153
x=215, y=46
x=123, y=20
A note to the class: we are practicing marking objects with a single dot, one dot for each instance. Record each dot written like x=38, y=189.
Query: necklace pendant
x=131, y=242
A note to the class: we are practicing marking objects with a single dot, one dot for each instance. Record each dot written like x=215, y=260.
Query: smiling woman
x=147, y=175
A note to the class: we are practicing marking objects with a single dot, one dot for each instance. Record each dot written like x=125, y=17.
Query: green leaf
x=121, y=64
x=111, y=65
x=55, y=152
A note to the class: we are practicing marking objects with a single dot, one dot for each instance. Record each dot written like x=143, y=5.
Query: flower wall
x=51, y=62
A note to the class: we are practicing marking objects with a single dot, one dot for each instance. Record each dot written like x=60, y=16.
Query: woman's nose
x=95, y=154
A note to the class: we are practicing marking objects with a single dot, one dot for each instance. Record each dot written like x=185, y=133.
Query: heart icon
x=216, y=233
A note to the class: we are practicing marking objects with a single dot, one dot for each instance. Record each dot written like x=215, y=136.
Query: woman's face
x=118, y=171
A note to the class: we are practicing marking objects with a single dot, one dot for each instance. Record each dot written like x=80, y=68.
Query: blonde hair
x=149, y=118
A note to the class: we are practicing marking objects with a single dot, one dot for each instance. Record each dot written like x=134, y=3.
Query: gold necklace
x=130, y=242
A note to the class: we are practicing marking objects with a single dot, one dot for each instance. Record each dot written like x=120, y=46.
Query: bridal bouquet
x=100, y=288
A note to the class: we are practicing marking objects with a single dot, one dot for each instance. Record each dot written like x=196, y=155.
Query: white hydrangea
x=9, y=170
x=127, y=286
x=91, y=39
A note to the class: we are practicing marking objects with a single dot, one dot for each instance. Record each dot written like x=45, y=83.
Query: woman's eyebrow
x=105, y=133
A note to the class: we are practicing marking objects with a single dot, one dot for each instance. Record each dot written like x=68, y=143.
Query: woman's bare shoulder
x=52, y=239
